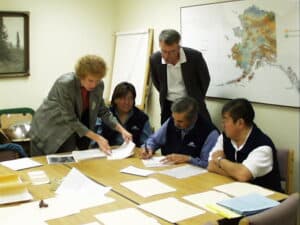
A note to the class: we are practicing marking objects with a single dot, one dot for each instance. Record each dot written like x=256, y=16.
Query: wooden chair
x=286, y=213
x=285, y=159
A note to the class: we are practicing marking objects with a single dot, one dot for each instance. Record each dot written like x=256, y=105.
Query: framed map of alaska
x=251, y=48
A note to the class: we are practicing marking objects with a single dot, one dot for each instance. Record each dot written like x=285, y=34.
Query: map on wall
x=251, y=48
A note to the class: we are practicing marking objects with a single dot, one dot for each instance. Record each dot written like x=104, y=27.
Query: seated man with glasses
x=178, y=72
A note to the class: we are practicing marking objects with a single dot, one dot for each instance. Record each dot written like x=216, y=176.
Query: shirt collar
x=241, y=146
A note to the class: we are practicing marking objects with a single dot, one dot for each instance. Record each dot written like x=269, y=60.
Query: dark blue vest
x=256, y=139
x=134, y=125
x=192, y=142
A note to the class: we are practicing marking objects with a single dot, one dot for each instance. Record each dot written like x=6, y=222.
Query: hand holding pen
x=146, y=152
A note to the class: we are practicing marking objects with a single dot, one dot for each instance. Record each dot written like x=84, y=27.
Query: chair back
x=285, y=213
x=285, y=159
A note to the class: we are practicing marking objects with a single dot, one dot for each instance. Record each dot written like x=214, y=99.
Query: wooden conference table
x=107, y=173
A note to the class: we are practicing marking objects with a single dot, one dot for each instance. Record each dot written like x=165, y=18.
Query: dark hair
x=239, y=108
x=121, y=90
x=169, y=36
x=186, y=105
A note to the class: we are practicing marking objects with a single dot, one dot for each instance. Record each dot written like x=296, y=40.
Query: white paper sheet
x=38, y=177
x=183, y=171
x=19, y=164
x=93, y=223
x=129, y=216
x=124, y=151
x=155, y=161
x=57, y=207
x=16, y=215
x=204, y=198
x=242, y=188
x=147, y=187
x=171, y=209
x=137, y=171
x=76, y=182
x=88, y=154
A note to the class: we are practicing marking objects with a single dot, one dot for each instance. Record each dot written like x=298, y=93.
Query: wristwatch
x=219, y=161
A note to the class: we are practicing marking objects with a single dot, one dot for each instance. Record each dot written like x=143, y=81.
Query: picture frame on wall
x=14, y=44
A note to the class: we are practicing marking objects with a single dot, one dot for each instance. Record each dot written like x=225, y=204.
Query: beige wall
x=280, y=123
x=63, y=30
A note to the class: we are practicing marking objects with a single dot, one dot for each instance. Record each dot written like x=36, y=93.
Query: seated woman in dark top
x=133, y=119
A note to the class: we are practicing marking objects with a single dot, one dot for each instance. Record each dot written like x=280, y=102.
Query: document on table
x=38, y=177
x=19, y=164
x=88, y=154
x=155, y=161
x=124, y=151
x=183, y=171
x=204, y=198
x=12, y=189
x=171, y=209
x=128, y=216
x=56, y=159
x=17, y=215
x=76, y=182
x=136, y=171
x=242, y=188
x=248, y=204
x=147, y=187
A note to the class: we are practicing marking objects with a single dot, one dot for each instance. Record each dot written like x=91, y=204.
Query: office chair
x=285, y=213
x=285, y=159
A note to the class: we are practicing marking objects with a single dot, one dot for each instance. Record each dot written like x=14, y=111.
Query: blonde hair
x=92, y=65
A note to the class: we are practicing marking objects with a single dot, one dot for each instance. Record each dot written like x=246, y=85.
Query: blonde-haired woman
x=62, y=123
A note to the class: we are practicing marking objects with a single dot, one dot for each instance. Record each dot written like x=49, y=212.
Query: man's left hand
x=176, y=158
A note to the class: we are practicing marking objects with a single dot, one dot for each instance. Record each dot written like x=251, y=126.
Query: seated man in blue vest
x=186, y=137
x=243, y=151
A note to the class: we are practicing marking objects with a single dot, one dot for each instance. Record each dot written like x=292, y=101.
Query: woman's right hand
x=103, y=145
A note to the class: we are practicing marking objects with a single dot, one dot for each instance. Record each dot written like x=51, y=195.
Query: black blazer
x=195, y=76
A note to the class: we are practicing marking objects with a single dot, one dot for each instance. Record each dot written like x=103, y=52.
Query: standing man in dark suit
x=178, y=72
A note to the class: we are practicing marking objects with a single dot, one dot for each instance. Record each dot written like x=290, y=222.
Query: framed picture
x=14, y=44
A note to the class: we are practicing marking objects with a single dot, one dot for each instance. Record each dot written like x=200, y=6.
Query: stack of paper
x=124, y=151
x=13, y=190
x=88, y=154
x=242, y=188
x=248, y=204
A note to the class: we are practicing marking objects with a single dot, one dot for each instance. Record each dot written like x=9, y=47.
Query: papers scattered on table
x=88, y=154
x=93, y=223
x=129, y=216
x=183, y=171
x=13, y=190
x=171, y=209
x=124, y=151
x=248, y=204
x=55, y=159
x=204, y=198
x=19, y=164
x=137, y=171
x=147, y=187
x=242, y=188
x=155, y=161
x=38, y=177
